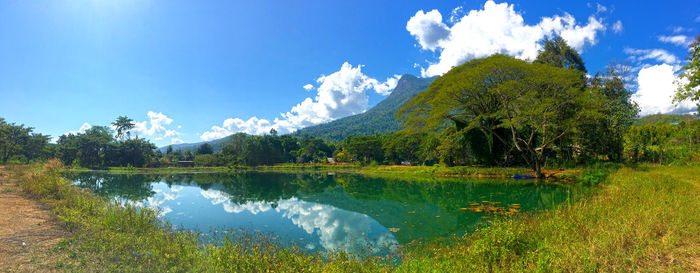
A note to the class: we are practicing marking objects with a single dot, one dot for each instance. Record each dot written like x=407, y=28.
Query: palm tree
x=123, y=125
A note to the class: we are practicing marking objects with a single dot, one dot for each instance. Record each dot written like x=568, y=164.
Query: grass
x=640, y=219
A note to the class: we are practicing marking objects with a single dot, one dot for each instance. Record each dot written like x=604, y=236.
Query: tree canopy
x=689, y=78
x=536, y=104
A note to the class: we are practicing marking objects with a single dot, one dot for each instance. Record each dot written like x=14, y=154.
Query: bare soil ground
x=28, y=231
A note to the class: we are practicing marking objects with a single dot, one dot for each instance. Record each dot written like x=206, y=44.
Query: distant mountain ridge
x=658, y=119
x=377, y=120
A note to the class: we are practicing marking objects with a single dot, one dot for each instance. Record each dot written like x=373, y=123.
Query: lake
x=318, y=211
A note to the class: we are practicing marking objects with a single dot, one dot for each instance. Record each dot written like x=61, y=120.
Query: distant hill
x=663, y=119
x=215, y=144
x=379, y=119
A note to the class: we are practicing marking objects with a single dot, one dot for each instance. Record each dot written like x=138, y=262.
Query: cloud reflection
x=337, y=229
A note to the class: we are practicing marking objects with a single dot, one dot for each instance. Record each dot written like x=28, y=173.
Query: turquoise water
x=320, y=212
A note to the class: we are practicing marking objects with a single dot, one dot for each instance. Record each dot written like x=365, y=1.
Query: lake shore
x=384, y=170
x=641, y=219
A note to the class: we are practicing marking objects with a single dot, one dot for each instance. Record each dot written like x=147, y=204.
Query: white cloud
x=155, y=127
x=308, y=87
x=428, y=29
x=340, y=94
x=386, y=87
x=679, y=40
x=254, y=126
x=497, y=28
x=176, y=140
x=600, y=8
x=617, y=27
x=656, y=89
x=86, y=126
x=679, y=29
x=456, y=13
x=659, y=55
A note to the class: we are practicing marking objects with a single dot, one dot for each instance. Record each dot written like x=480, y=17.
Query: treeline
x=96, y=147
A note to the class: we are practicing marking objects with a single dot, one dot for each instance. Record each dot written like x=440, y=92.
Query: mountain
x=379, y=119
x=658, y=119
x=215, y=144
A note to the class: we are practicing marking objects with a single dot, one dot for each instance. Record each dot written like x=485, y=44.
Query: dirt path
x=28, y=231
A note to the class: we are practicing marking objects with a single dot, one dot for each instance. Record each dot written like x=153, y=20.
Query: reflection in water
x=323, y=212
x=337, y=229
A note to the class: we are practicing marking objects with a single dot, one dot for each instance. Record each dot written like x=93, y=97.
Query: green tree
x=604, y=136
x=205, y=149
x=536, y=104
x=13, y=139
x=690, y=73
x=206, y=160
x=123, y=124
x=93, y=145
x=558, y=53
x=365, y=148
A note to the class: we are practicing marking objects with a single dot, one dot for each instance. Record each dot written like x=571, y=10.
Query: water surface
x=326, y=211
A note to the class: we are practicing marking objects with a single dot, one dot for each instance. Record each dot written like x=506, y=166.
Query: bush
x=17, y=159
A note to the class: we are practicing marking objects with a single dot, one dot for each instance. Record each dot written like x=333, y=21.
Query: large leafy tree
x=123, y=124
x=13, y=139
x=536, y=104
x=604, y=136
x=556, y=52
x=93, y=145
x=205, y=149
x=690, y=76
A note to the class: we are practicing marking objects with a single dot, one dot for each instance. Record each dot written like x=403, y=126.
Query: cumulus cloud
x=659, y=55
x=340, y=94
x=679, y=40
x=308, y=87
x=656, y=86
x=428, y=29
x=156, y=127
x=253, y=125
x=497, y=28
x=617, y=27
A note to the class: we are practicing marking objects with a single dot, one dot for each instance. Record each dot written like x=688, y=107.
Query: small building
x=406, y=163
x=185, y=163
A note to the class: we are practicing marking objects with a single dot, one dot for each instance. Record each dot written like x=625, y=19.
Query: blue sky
x=197, y=70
